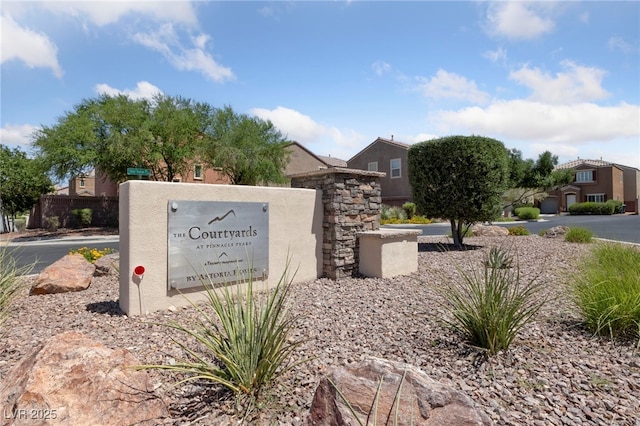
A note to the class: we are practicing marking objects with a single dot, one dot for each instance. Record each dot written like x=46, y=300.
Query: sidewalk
x=42, y=234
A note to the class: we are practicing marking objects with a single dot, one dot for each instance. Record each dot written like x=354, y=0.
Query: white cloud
x=576, y=84
x=103, y=13
x=16, y=135
x=320, y=139
x=500, y=54
x=380, y=68
x=518, y=20
x=543, y=123
x=143, y=90
x=446, y=85
x=420, y=137
x=618, y=43
x=36, y=50
x=189, y=58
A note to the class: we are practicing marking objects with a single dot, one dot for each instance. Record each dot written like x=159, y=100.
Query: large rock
x=422, y=400
x=71, y=273
x=107, y=265
x=489, y=231
x=556, y=231
x=73, y=380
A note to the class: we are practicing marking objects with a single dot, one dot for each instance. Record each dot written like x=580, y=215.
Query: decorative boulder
x=419, y=399
x=71, y=273
x=73, y=380
x=107, y=265
x=489, y=231
x=556, y=231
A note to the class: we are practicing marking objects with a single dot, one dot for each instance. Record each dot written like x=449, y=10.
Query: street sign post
x=137, y=171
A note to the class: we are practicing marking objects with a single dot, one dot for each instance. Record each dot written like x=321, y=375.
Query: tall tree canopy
x=459, y=178
x=166, y=135
x=248, y=150
x=114, y=133
x=22, y=181
x=530, y=179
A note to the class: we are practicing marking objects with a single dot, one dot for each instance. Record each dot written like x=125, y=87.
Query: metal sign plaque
x=216, y=242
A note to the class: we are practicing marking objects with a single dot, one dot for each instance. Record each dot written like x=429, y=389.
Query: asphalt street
x=44, y=252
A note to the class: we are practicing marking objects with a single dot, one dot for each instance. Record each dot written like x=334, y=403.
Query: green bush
x=247, y=342
x=10, y=283
x=490, y=307
x=519, y=205
x=83, y=216
x=527, y=213
x=591, y=208
x=409, y=209
x=51, y=223
x=606, y=289
x=578, y=235
x=388, y=214
x=617, y=206
x=519, y=230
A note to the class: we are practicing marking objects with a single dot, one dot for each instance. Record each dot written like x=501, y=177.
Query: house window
x=373, y=166
x=82, y=183
x=584, y=176
x=395, y=168
x=595, y=198
x=197, y=172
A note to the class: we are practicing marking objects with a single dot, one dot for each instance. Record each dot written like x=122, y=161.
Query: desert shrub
x=91, y=254
x=490, y=307
x=498, y=258
x=521, y=204
x=10, y=283
x=591, y=208
x=528, y=213
x=83, y=216
x=617, y=206
x=518, y=230
x=606, y=290
x=409, y=209
x=51, y=223
x=393, y=214
x=419, y=220
x=247, y=341
x=578, y=235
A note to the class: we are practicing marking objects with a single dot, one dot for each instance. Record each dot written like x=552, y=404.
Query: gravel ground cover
x=555, y=373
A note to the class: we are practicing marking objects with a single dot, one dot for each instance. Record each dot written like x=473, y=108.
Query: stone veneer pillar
x=352, y=201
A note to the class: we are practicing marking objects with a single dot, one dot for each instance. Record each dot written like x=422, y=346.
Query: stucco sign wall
x=216, y=242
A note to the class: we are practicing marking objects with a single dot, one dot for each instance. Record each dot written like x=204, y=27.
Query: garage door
x=549, y=205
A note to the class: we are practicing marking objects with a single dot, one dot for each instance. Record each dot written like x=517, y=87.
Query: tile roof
x=584, y=162
x=332, y=161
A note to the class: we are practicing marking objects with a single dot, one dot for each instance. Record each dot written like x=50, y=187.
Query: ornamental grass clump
x=606, y=290
x=491, y=305
x=246, y=342
x=11, y=282
x=579, y=235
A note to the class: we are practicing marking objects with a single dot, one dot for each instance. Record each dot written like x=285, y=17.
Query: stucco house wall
x=395, y=186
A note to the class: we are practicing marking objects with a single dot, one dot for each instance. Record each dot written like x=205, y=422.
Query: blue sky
x=558, y=76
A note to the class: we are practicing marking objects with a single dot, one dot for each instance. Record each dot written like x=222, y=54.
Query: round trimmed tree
x=459, y=178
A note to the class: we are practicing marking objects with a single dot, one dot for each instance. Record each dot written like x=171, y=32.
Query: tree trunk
x=456, y=232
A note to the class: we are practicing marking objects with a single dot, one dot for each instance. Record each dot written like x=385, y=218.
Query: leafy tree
x=531, y=180
x=248, y=150
x=460, y=178
x=22, y=181
x=114, y=133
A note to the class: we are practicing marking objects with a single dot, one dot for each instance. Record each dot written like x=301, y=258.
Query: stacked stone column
x=351, y=202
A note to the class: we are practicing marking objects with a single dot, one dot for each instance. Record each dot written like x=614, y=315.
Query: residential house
x=390, y=157
x=597, y=181
x=303, y=160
